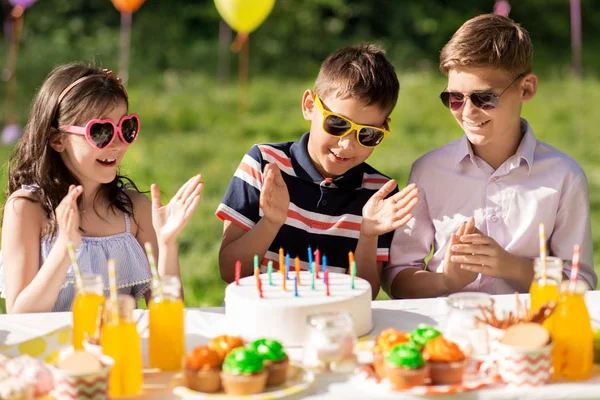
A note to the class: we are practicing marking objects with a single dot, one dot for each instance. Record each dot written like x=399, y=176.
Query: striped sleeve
x=242, y=199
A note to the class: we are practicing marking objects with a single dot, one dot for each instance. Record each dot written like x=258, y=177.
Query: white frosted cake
x=283, y=316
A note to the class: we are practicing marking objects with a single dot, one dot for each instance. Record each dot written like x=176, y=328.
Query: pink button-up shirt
x=537, y=184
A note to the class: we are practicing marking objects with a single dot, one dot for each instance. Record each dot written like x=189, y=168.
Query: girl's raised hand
x=67, y=217
x=169, y=220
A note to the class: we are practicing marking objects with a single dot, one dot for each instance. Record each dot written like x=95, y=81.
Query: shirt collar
x=306, y=170
x=525, y=151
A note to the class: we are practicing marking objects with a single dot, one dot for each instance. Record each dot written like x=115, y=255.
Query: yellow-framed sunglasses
x=339, y=126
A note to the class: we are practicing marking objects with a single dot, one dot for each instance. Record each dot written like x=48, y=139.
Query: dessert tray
x=298, y=380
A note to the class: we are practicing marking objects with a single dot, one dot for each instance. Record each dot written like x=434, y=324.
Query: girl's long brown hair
x=35, y=162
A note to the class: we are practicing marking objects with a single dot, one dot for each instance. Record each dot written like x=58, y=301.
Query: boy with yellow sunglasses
x=318, y=192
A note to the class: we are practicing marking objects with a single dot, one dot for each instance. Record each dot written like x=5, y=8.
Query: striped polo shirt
x=323, y=214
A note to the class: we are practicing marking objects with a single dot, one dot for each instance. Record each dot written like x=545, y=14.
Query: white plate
x=298, y=381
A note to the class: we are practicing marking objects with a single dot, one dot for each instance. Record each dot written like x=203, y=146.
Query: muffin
x=384, y=343
x=423, y=334
x=202, y=370
x=243, y=372
x=275, y=360
x=224, y=344
x=446, y=361
x=80, y=373
x=405, y=367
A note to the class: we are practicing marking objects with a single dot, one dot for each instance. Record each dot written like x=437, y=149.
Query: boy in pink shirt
x=483, y=196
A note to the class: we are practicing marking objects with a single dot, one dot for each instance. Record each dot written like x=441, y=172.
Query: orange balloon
x=127, y=6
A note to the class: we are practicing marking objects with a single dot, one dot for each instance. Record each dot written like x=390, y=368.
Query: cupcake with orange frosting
x=224, y=344
x=384, y=344
x=202, y=370
x=446, y=361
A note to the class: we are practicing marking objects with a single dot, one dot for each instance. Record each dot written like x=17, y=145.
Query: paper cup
x=519, y=366
x=92, y=386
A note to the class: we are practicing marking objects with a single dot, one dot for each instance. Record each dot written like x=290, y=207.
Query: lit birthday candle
x=318, y=261
x=297, y=266
x=281, y=270
x=353, y=272
x=296, y=286
x=310, y=258
x=287, y=266
x=350, y=258
x=270, y=272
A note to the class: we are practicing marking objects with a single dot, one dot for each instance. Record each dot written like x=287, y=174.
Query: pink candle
x=327, y=282
x=318, y=261
x=238, y=272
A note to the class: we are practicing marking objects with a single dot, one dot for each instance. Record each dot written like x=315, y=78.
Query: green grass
x=191, y=124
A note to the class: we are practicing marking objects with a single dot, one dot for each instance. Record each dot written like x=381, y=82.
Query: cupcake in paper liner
x=82, y=375
x=275, y=359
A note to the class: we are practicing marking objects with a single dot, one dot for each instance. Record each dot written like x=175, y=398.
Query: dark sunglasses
x=101, y=133
x=339, y=126
x=483, y=100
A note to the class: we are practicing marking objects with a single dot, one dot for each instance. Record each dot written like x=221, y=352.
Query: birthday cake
x=282, y=315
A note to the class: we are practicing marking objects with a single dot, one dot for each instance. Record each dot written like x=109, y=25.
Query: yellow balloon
x=244, y=16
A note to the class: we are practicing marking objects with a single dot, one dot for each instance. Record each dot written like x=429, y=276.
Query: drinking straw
x=112, y=286
x=75, y=264
x=153, y=268
x=574, y=267
x=543, y=252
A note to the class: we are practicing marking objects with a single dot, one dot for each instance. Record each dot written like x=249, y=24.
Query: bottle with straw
x=573, y=337
x=166, y=320
x=121, y=341
x=89, y=298
x=547, y=278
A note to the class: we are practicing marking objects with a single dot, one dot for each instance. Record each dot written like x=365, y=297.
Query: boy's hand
x=67, y=217
x=274, y=196
x=381, y=215
x=456, y=277
x=483, y=255
x=169, y=220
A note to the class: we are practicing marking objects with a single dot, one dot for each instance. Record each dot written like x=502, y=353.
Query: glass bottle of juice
x=86, y=308
x=573, y=352
x=166, y=345
x=546, y=289
x=121, y=341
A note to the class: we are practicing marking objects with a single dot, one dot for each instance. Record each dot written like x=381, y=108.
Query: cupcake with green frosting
x=275, y=359
x=405, y=367
x=243, y=372
x=422, y=335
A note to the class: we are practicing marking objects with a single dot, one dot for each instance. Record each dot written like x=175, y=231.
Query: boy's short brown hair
x=361, y=72
x=489, y=40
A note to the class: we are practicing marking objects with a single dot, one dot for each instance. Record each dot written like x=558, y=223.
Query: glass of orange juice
x=166, y=342
x=86, y=308
x=546, y=289
x=573, y=352
x=121, y=341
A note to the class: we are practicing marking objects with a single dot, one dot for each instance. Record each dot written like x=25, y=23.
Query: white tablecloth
x=401, y=314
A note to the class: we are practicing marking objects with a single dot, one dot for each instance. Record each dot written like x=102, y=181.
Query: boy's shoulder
x=442, y=157
x=547, y=157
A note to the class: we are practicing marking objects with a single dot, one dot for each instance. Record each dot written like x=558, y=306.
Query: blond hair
x=489, y=40
x=360, y=72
